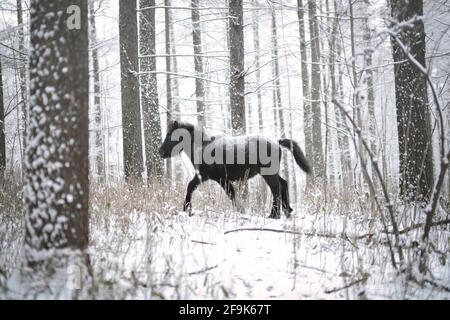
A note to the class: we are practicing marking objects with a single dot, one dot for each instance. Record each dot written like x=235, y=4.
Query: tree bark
x=413, y=117
x=198, y=63
x=169, y=106
x=57, y=163
x=149, y=92
x=307, y=116
x=237, y=77
x=22, y=72
x=318, y=167
x=370, y=89
x=131, y=112
x=98, y=129
x=2, y=127
x=256, y=47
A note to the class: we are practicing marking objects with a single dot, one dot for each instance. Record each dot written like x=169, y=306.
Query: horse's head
x=178, y=138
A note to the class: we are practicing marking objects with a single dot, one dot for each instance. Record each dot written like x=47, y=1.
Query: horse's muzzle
x=163, y=154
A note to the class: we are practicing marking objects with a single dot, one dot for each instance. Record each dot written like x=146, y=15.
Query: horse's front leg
x=193, y=184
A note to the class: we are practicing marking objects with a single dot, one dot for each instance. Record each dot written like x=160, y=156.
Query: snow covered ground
x=144, y=248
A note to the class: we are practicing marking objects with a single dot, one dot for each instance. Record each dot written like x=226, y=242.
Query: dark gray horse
x=228, y=159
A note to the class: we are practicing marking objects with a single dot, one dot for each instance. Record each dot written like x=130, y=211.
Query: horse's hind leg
x=285, y=197
x=275, y=187
x=195, y=182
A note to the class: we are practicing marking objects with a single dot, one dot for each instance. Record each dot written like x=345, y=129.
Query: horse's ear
x=175, y=124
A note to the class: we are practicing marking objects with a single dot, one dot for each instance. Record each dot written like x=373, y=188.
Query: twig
x=407, y=229
x=203, y=270
x=351, y=284
x=309, y=234
x=430, y=282
x=203, y=242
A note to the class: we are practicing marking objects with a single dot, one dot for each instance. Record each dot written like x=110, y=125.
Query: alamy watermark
x=242, y=150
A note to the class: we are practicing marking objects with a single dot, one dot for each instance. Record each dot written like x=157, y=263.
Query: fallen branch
x=351, y=284
x=203, y=270
x=310, y=234
x=407, y=229
x=430, y=282
x=203, y=242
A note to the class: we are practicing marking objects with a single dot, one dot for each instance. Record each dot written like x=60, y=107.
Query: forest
x=99, y=199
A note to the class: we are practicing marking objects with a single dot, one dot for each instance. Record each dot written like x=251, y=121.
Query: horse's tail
x=297, y=152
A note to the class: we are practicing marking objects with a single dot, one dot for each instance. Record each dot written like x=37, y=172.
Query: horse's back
x=240, y=157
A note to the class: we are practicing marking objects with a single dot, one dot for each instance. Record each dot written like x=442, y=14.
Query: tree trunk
x=22, y=72
x=370, y=90
x=277, y=88
x=237, y=77
x=341, y=120
x=413, y=118
x=98, y=128
x=57, y=163
x=198, y=63
x=131, y=113
x=149, y=92
x=316, y=83
x=256, y=47
x=2, y=127
x=169, y=107
x=307, y=116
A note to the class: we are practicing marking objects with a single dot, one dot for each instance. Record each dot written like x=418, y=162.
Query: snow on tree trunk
x=131, y=112
x=198, y=62
x=413, y=118
x=307, y=120
x=57, y=165
x=169, y=106
x=2, y=127
x=316, y=121
x=22, y=72
x=98, y=129
x=256, y=47
x=149, y=91
x=237, y=77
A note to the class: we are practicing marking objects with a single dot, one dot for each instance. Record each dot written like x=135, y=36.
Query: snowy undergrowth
x=143, y=247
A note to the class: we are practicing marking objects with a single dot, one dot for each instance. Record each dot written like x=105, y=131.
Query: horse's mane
x=191, y=128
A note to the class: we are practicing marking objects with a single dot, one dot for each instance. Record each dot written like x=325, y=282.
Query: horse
x=226, y=159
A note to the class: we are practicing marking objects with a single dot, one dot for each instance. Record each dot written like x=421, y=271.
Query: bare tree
x=131, y=112
x=2, y=127
x=237, y=76
x=99, y=157
x=149, y=91
x=305, y=84
x=198, y=62
x=169, y=106
x=318, y=167
x=257, y=48
x=22, y=71
x=57, y=163
x=413, y=118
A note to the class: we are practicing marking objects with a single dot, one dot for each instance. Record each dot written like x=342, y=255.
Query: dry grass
x=142, y=246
